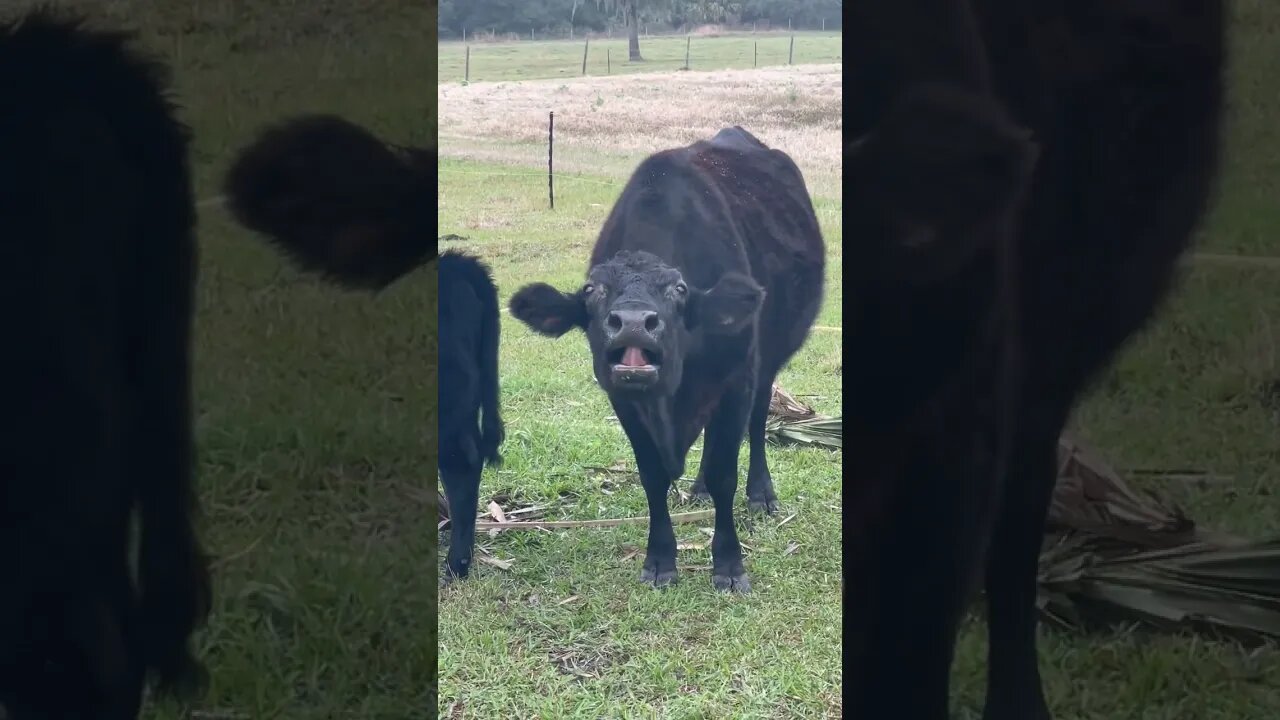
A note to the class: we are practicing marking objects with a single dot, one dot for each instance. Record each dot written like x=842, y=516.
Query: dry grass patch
x=605, y=124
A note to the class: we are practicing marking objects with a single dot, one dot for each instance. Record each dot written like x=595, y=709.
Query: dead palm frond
x=1115, y=554
x=784, y=405
x=791, y=422
x=1229, y=591
x=815, y=431
x=1091, y=497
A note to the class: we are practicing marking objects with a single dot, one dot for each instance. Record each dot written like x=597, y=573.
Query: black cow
x=340, y=201
x=471, y=427
x=704, y=281
x=1024, y=177
x=97, y=236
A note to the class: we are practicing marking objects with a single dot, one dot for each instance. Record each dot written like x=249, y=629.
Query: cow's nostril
x=614, y=322
x=651, y=323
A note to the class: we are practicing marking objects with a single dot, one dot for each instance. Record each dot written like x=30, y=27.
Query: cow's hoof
x=658, y=578
x=699, y=491
x=767, y=506
x=731, y=583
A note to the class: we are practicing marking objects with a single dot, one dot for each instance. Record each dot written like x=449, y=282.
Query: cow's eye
x=588, y=289
x=682, y=289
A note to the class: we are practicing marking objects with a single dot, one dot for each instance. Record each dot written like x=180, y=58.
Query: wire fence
x=539, y=59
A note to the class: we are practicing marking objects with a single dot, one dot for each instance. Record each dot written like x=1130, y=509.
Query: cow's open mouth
x=634, y=357
x=634, y=366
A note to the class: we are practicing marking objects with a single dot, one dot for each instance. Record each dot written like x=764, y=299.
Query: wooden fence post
x=686, y=51
x=466, y=67
x=585, y=44
x=551, y=140
x=791, y=50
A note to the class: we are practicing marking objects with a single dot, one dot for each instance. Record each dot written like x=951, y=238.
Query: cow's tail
x=337, y=200
x=492, y=431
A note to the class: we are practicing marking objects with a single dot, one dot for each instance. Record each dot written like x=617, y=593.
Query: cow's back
x=767, y=196
x=728, y=204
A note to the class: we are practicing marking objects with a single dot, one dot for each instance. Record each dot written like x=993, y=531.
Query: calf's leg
x=460, y=469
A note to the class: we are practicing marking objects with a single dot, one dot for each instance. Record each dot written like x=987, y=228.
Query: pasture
x=560, y=58
x=567, y=630
x=315, y=407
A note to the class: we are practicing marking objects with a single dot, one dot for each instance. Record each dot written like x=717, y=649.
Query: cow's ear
x=942, y=159
x=547, y=311
x=726, y=308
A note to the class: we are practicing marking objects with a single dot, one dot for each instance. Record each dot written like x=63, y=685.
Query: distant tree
x=630, y=12
x=520, y=16
x=706, y=11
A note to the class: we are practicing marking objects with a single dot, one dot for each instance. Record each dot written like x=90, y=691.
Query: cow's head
x=640, y=316
x=933, y=181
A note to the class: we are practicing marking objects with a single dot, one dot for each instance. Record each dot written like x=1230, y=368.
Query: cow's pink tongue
x=633, y=357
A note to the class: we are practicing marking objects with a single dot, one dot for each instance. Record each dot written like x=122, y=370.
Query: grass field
x=316, y=407
x=539, y=59
x=567, y=631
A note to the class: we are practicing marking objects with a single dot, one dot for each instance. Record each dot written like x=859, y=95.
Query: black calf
x=470, y=424
x=341, y=202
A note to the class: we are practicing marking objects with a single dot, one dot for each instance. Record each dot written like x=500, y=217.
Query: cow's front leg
x=720, y=468
x=660, y=558
x=656, y=477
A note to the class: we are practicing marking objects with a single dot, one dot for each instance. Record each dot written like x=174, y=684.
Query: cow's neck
x=656, y=418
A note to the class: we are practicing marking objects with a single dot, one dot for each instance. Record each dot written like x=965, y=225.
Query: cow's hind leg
x=760, y=494
x=699, y=488
x=720, y=460
x=460, y=469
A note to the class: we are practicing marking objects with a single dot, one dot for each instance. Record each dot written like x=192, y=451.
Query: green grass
x=540, y=59
x=508, y=646
x=315, y=407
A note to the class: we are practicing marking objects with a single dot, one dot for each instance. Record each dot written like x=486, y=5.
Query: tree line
x=559, y=16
